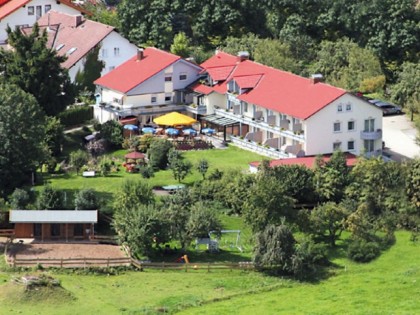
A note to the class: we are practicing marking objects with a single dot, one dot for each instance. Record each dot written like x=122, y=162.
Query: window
x=31, y=10
x=55, y=229
x=339, y=108
x=168, y=97
x=369, y=145
x=168, y=78
x=369, y=125
x=47, y=8
x=350, y=145
x=337, y=127
x=336, y=146
x=153, y=99
x=71, y=50
x=183, y=76
x=245, y=106
x=116, y=51
x=104, y=53
x=37, y=230
x=38, y=11
x=348, y=107
x=350, y=125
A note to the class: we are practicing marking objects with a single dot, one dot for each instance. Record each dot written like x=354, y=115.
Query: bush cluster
x=76, y=115
x=363, y=251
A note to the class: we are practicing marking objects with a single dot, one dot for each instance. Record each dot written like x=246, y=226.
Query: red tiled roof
x=133, y=72
x=13, y=5
x=277, y=90
x=248, y=81
x=201, y=88
x=70, y=37
x=308, y=161
x=220, y=73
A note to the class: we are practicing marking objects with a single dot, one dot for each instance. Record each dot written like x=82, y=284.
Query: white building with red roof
x=26, y=12
x=149, y=84
x=75, y=37
x=282, y=115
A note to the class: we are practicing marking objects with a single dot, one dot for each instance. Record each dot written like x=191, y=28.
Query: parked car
x=387, y=108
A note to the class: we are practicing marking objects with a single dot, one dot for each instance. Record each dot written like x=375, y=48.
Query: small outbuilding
x=54, y=224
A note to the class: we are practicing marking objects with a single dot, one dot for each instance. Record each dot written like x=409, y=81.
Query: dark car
x=387, y=108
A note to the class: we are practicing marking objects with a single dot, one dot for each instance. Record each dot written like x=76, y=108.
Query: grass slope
x=388, y=285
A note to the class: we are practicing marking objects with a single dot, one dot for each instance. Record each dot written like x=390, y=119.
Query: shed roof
x=53, y=216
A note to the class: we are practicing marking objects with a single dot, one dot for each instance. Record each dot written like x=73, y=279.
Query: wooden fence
x=192, y=266
x=7, y=232
x=71, y=262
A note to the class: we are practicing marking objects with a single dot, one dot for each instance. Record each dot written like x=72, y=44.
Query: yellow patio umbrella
x=174, y=119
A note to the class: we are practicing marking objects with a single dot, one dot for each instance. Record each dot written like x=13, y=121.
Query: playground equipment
x=213, y=243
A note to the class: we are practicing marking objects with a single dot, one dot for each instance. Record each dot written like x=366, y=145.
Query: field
x=388, y=285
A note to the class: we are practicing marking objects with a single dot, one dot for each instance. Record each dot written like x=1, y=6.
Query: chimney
x=316, y=78
x=242, y=55
x=140, y=54
x=78, y=19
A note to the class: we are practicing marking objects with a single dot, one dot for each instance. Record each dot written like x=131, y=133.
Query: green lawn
x=388, y=285
x=230, y=158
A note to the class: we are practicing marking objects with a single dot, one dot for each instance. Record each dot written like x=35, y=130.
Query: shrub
x=76, y=115
x=158, y=153
x=19, y=199
x=146, y=171
x=86, y=199
x=363, y=251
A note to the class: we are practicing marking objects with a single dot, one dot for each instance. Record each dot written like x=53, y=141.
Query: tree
x=413, y=183
x=91, y=71
x=180, y=168
x=50, y=199
x=37, y=70
x=86, y=199
x=406, y=91
x=267, y=203
x=202, y=220
x=202, y=167
x=78, y=159
x=274, y=248
x=54, y=137
x=112, y=132
x=181, y=45
x=139, y=227
x=134, y=193
x=345, y=64
x=327, y=221
x=19, y=199
x=21, y=136
x=332, y=177
x=158, y=153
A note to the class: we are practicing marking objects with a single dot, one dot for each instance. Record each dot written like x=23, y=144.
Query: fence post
x=163, y=266
x=107, y=263
x=186, y=267
x=208, y=267
x=61, y=263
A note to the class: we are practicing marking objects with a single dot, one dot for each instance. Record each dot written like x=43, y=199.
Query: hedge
x=76, y=115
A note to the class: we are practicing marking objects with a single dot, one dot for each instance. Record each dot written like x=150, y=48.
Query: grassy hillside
x=388, y=285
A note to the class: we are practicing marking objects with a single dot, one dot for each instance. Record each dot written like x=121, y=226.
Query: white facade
x=30, y=13
x=341, y=125
x=114, y=51
x=157, y=95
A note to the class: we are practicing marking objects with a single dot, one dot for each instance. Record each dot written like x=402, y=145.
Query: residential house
x=54, y=224
x=25, y=13
x=283, y=115
x=75, y=37
x=149, y=84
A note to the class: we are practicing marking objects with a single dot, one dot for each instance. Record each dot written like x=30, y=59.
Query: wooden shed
x=54, y=224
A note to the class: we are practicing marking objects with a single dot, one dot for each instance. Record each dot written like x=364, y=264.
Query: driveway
x=399, y=135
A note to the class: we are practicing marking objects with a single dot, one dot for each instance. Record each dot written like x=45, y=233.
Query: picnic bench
x=88, y=174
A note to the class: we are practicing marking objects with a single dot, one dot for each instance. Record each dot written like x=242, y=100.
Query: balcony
x=297, y=135
x=257, y=148
x=132, y=110
x=196, y=109
x=371, y=135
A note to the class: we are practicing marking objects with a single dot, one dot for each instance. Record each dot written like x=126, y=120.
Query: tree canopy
x=37, y=70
